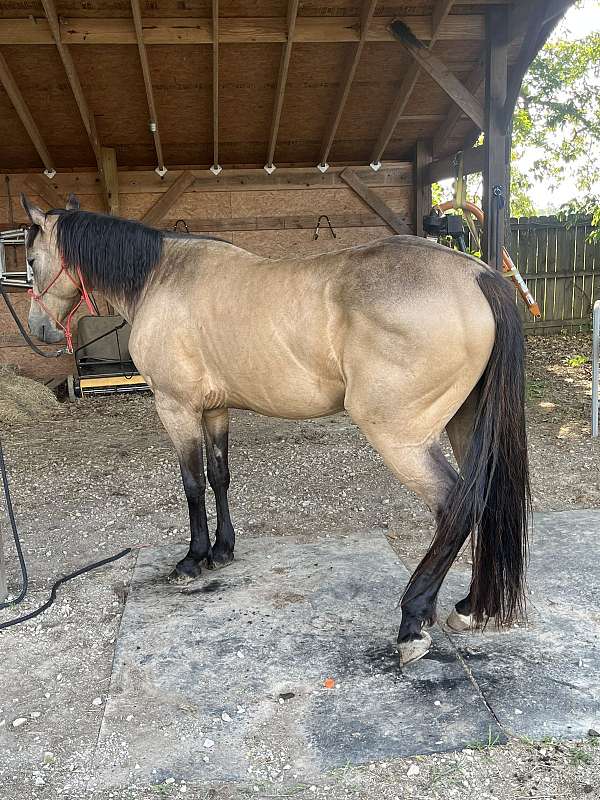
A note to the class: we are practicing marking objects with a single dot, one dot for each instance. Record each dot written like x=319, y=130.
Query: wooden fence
x=562, y=269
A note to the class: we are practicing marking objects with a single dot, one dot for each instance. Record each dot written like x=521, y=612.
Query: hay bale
x=24, y=400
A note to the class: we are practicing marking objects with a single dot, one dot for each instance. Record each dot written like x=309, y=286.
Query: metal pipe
x=595, y=366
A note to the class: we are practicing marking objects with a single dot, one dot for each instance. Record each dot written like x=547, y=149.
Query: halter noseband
x=83, y=298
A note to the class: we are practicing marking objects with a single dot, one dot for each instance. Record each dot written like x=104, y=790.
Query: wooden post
x=495, y=167
x=422, y=186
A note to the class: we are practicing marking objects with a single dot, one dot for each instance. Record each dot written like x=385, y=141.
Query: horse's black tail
x=492, y=496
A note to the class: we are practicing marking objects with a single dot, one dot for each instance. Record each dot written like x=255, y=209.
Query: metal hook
x=184, y=223
x=324, y=216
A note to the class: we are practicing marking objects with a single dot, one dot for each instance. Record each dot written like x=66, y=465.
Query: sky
x=578, y=22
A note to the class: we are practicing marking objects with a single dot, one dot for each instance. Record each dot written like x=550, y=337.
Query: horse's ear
x=73, y=203
x=35, y=214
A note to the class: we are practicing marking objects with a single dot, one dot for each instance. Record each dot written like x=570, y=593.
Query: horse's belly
x=291, y=400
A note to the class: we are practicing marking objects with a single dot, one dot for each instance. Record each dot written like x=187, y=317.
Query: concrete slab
x=543, y=679
x=224, y=680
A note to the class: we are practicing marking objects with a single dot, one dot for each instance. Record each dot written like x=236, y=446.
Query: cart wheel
x=71, y=389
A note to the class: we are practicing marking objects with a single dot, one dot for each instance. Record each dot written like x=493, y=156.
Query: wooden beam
x=473, y=82
x=166, y=202
x=282, y=79
x=495, y=168
x=22, y=109
x=398, y=174
x=194, y=30
x=438, y=18
x=350, y=72
x=440, y=73
x=110, y=180
x=153, y=122
x=215, y=81
x=65, y=55
x=42, y=187
x=423, y=200
x=373, y=200
x=473, y=161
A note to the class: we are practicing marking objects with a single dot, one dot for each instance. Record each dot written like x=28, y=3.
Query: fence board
x=562, y=268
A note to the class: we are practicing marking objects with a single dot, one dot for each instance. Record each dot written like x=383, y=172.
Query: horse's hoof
x=459, y=623
x=183, y=574
x=220, y=560
x=415, y=649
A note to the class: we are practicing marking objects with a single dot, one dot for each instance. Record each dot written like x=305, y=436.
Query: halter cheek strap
x=84, y=297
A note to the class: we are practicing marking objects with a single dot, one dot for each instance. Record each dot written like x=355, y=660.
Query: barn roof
x=238, y=83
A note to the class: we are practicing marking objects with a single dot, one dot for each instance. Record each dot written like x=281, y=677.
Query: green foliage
x=577, y=361
x=437, y=194
x=558, y=113
x=520, y=186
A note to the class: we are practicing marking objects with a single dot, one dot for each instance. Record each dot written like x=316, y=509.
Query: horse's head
x=54, y=288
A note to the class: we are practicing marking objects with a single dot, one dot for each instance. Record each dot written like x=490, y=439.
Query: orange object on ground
x=329, y=683
x=508, y=265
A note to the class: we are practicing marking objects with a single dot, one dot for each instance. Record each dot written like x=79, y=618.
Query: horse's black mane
x=114, y=254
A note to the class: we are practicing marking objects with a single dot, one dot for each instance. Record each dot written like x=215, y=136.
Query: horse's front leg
x=216, y=437
x=185, y=429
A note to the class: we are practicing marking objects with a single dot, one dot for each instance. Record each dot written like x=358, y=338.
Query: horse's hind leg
x=423, y=468
x=184, y=427
x=459, y=431
x=216, y=435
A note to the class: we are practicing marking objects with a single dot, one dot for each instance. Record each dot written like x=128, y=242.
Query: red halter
x=83, y=298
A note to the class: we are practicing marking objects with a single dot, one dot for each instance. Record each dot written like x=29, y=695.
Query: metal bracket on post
x=595, y=366
x=499, y=200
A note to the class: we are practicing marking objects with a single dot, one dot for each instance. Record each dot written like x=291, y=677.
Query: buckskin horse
x=407, y=336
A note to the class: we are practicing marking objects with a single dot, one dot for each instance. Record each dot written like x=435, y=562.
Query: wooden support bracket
x=44, y=189
x=440, y=73
x=166, y=202
x=373, y=200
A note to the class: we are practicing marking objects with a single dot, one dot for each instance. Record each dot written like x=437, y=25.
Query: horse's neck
x=125, y=309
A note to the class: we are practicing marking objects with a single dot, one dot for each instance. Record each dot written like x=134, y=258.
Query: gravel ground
x=102, y=475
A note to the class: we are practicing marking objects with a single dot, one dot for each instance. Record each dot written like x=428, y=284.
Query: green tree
x=558, y=113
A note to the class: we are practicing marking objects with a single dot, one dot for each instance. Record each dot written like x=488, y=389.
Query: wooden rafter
x=139, y=35
x=350, y=71
x=192, y=30
x=73, y=78
x=215, y=82
x=440, y=73
x=282, y=79
x=22, y=109
x=440, y=13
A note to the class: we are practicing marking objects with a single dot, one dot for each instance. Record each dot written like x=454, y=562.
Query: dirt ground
x=102, y=475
